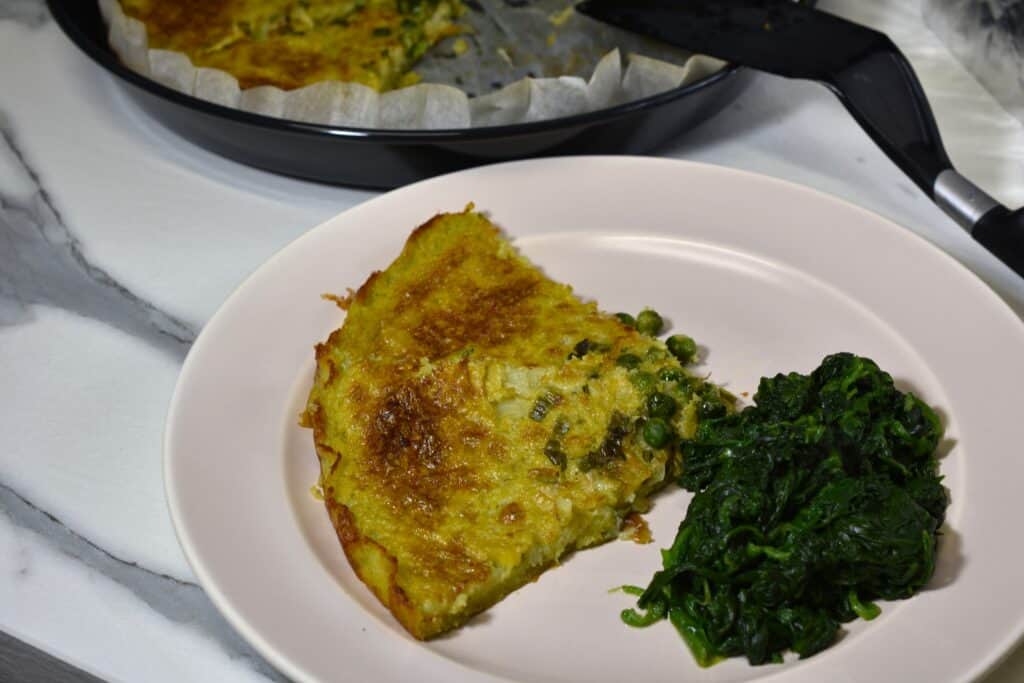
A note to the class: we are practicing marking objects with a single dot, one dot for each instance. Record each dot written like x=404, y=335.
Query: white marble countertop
x=118, y=241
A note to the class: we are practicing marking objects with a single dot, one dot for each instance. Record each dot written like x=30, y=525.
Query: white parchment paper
x=518, y=61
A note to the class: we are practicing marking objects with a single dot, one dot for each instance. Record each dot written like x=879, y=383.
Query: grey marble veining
x=42, y=263
x=55, y=253
x=987, y=36
x=180, y=601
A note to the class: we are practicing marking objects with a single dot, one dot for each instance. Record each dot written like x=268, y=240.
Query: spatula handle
x=861, y=65
x=1001, y=231
x=882, y=92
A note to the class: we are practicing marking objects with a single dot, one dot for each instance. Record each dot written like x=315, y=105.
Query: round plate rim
x=981, y=666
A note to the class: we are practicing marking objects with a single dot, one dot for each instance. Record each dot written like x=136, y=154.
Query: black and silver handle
x=863, y=67
x=882, y=92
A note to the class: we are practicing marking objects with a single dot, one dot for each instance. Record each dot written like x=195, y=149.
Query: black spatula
x=863, y=67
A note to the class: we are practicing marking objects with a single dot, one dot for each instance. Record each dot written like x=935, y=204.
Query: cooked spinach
x=819, y=499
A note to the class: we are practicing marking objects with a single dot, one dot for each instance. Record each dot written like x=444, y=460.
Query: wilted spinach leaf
x=809, y=505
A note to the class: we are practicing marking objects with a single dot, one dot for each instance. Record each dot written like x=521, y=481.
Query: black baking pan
x=385, y=159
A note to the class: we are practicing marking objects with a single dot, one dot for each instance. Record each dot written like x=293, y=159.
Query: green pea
x=710, y=408
x=682, y=347
x=671, y=375
x=684, y=391
x=643, y=381
x=626, y=319
x=656, y=432
x=649, y=322
x=628, y=361
x=661, y=405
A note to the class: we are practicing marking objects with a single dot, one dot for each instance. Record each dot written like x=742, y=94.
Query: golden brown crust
x=355, y=545
x=407, y=456
x=363, y=292
x=290, y=44
x=419, y=230
x=490, y=317
x=341, y=301
x=364, y=289
x=442, y=485
x=185, y=20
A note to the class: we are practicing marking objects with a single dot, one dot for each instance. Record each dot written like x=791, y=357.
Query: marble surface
x=118, y=241
x=987, y=36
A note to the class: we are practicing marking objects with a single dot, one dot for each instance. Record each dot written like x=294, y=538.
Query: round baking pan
x=385, y=159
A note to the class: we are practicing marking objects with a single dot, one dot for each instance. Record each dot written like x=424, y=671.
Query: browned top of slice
x=467, y=439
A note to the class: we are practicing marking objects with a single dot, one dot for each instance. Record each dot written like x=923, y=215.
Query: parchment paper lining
x=542, y=50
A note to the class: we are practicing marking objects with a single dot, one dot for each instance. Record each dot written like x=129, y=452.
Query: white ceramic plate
x=766, y=275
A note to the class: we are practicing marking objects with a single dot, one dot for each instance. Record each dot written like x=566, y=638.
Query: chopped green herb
x=619, y=426
x=628, y=361
x=553, y=451
x=581, y=349
x=548, y=400
x=585, y=346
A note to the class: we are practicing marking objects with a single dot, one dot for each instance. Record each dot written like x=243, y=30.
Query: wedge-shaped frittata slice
x=474, y=421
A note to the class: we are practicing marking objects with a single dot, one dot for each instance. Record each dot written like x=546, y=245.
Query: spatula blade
x=777, y=36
